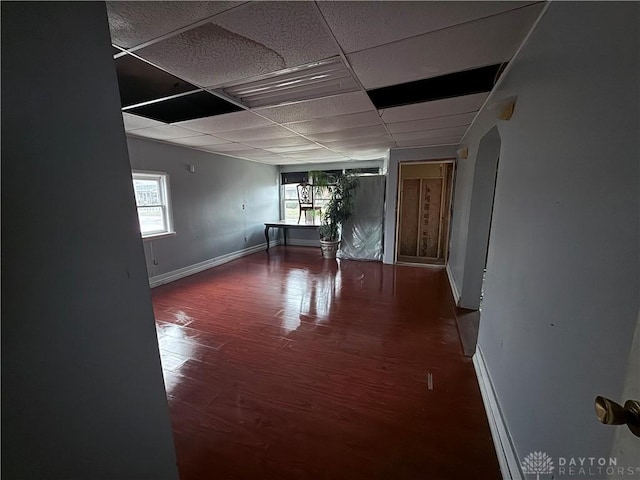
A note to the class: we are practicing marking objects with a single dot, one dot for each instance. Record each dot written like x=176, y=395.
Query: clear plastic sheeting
x=362, y=233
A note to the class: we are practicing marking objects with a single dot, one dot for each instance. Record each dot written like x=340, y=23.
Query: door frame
x=399, y=205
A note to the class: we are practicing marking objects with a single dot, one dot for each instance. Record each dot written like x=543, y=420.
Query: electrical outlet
x=243, y=206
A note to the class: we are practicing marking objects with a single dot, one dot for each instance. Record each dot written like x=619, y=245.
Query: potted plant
x=338, y=209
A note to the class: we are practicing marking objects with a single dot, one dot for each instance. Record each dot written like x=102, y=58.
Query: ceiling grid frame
x=222, y=96
x=345, y=149
x=344, y=57
x=178, y=31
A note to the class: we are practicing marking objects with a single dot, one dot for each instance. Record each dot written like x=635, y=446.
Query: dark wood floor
x=288, y=366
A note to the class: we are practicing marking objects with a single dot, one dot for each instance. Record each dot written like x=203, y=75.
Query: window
x=152, y=200
x=290, y=204
x=291, y=180
x=291, y=207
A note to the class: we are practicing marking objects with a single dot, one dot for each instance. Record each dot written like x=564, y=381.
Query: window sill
x=158, y=236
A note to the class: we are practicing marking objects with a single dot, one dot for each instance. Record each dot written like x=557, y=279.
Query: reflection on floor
x=288, y=366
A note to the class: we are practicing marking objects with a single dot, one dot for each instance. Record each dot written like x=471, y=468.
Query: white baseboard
x=300, y=242
x=506, y=452
x=454, y=287
x=174, y=275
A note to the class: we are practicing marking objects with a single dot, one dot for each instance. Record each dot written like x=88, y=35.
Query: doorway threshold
x=420, y=261
x=424, y=265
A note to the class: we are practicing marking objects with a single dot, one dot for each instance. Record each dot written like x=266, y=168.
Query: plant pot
x=329, y=248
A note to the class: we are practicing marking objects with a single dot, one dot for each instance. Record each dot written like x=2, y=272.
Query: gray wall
x=561, y=295
x=82, y=389
x=207, y=205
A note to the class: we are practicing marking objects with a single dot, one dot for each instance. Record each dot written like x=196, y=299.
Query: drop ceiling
x=302, y=82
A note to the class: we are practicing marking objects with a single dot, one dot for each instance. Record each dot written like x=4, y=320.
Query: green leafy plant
x=340, y=206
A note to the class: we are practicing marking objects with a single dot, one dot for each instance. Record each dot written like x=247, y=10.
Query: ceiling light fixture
x=317, y=79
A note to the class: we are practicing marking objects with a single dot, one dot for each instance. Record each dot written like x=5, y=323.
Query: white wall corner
x=506, y=452
x=454, y=287
x=174, y=275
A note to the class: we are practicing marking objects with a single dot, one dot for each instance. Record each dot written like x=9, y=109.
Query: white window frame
x=283, y=203
x=165, y=202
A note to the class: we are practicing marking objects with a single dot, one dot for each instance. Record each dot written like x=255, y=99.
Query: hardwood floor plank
x=288, y=366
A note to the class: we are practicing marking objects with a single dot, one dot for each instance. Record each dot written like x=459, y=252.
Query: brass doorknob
x=611, y=413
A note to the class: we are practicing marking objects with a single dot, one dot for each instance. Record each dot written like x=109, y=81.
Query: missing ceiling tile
x=457, y=84
x=185, y=107
x=140, y=82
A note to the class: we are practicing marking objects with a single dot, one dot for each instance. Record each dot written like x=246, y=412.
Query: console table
x=286, y=225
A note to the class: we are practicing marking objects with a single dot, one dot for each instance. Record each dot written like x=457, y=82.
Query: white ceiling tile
x=333, y=124
x=134, y=122
x=165, y=132
x=293, y=148
x=439, y=133
x=226, y=122
x=360, y=25
x=275, y=162
x=261, y=155
x=474, y=44
x=245, y=152
x=279, y=142
x=133, y=23
x=318, y=108
x=226, y=147
x=290, y=161
x=272, y=161
x=426, y=142
x=199, y=141
x=436, y=108
x=311, y=153
x=260, y=133
x=373, y=142
x=348, y=133
x=254, y=39
x=463, y=119
x=317, y=156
